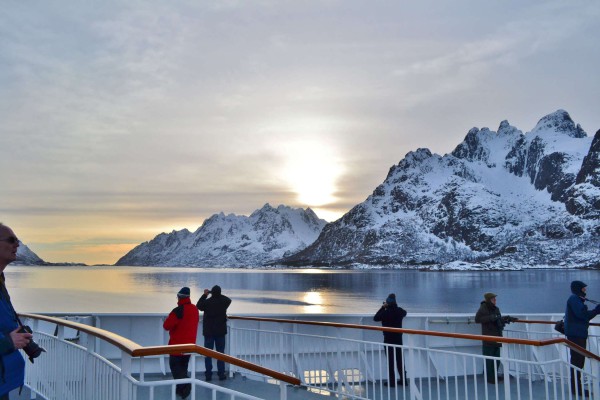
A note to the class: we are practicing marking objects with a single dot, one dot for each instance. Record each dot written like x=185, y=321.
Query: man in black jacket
x=492, y=324
x=391, y=315
x=214, y=327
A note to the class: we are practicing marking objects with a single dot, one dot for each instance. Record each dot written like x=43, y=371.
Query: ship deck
x=471, y=389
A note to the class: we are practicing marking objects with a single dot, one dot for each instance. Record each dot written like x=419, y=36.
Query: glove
x=178, y=312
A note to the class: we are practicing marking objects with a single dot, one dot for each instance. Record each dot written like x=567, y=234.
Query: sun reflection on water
x=316, y=301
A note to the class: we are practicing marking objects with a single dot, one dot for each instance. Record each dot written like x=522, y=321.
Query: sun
x=312, y=170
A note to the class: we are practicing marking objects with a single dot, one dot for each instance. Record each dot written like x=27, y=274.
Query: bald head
x=9, y=243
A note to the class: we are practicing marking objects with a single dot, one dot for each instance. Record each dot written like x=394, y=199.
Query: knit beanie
x=391, y=299
x=184, y=292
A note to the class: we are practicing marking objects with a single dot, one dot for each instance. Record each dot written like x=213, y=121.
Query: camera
x=33, y=350
x=508, y=319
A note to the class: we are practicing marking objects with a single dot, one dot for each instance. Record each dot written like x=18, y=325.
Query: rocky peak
x=560, y=122
x=590, y=168
x=471, y=148
x=507, y=129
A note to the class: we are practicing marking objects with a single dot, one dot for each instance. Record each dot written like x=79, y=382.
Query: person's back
x=182, y=325
x=391, y=316
x=214, y=319
x=214, y=327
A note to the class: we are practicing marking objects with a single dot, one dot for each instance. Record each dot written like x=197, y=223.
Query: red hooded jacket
x=182, y=323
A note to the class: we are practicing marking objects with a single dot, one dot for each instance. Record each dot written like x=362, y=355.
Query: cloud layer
x=124, y=119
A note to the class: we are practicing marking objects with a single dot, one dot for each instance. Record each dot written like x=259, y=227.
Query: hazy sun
x=312, y=170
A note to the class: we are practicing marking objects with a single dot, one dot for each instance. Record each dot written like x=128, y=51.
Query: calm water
x=152, y=290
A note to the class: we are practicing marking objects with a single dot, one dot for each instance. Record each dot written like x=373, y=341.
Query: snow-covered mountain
x=232, y=240
x=500, y=200
x=27, y=257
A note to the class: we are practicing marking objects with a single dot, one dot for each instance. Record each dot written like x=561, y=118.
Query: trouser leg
x=577, y=360
x=394, y=357
x=209, y=343
x=389, y=351
x=220, y=347
x=399, y=365
x=179, y=370
x=491, y=365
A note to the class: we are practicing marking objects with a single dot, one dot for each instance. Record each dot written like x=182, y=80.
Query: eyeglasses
x=10, y=239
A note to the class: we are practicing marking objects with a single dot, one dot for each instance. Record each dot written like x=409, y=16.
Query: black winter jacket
x=391, y=317
x=490, y=319
x=214, y=321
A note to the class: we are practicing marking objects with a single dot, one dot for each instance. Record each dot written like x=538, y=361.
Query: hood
x=576, y=288
x=216, y=290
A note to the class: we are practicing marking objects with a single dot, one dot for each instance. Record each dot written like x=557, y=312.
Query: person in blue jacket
x=12, y=364
x=577, y=321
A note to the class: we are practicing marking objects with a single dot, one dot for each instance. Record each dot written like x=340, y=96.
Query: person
x=492, y=324
x=391, y=316
x=214, y=327
x=577, y=321
x=182, y=325
x=12, y=364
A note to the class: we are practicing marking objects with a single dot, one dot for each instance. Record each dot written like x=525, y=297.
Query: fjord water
x=308, y=291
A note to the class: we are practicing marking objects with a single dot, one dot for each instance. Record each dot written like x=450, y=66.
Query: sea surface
x=303, y=291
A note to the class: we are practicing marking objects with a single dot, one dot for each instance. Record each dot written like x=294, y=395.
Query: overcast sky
x=123, y=119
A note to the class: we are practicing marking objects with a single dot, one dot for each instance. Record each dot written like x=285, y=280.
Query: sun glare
x=312, y=171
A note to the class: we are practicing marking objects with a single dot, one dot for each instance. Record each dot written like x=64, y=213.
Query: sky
x=124, y=119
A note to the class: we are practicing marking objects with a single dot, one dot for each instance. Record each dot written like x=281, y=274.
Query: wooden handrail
x=499, y=339
x=135, y=350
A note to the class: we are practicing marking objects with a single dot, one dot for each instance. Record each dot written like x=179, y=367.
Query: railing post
x=282, y=390
x=282, y=353
x=412, y=388
x=125, y=372
x=595, y=379
x=89, y=374
x=193, y=375
x=61, y=389
x=505, y=371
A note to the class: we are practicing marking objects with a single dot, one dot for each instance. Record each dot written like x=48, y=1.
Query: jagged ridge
x=501, y=199
x=232, y=240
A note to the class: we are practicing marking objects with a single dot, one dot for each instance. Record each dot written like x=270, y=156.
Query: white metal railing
x=328, y=361
x=347, y=363
x=69, y=370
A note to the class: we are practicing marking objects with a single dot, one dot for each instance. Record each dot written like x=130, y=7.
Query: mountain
x=500, y=200
x=27, y=257
x=232, y=240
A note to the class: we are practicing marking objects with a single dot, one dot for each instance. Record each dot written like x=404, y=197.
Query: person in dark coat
x=492, y=324
x=182, y=325
x=12, y=364
x=214, y=327
x=577, y=321
x=391, y=316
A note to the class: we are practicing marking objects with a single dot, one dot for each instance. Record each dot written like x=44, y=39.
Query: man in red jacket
x=182, y=324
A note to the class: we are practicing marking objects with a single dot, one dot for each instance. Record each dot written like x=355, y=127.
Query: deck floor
x=474, y=389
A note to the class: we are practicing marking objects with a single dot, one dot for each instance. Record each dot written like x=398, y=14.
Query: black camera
x=33, y=350
x=508, y=319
